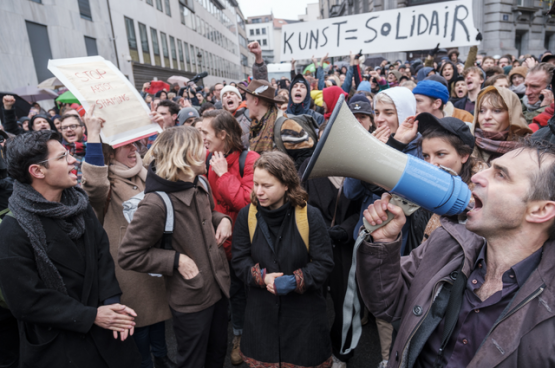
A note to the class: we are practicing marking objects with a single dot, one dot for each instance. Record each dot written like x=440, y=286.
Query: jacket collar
x=470, y=243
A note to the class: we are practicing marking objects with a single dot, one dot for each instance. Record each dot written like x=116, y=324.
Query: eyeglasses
x=66, y=155
x=72, y=127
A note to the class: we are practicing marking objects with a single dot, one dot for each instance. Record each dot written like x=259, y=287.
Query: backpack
x=306, y=122
x=131, y=205
x=301, y=219
x=242, y=159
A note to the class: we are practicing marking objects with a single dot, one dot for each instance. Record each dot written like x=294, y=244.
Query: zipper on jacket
x=434, y=292
x=513, y=311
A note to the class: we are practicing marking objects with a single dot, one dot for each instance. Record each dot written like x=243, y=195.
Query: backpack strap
x=170, y=221
x=242, y=160
x=252, y=221
x=301, y=218
x=203, y=182
x=208, y=162
x=277, y=133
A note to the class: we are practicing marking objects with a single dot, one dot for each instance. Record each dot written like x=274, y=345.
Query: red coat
x=231, y=192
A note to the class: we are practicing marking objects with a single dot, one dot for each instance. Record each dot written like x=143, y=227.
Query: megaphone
x=347, y=149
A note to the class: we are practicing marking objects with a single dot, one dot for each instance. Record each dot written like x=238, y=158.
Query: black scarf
x=28, y=206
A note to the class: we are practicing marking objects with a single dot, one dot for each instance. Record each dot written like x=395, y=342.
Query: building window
x=264, y=42
x=197, y=61
x=37, y=1
x=144, y=43
x=168, y=10
x=40, y=49
x=131, y=39
x=187, y=57
x=165, y=51
x=90, y=44
x=149, y=2
x=257, y=31
x=180, y=52
x=263, y=31
x=85, y=9
x=252, y=32
x=244, y=60
x=159, y=5
x=174, y=53
x=155, y=47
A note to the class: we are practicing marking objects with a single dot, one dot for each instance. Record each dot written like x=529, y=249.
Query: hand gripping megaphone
x=347, y=149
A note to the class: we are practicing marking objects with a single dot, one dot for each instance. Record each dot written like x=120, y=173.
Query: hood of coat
x=404, y=102
x=154, y=183
x=423, y=73
x=518, y=126
x=303, y=107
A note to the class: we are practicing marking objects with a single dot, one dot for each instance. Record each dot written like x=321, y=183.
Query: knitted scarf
x=28, y=206
x=76, y=148
x=121, y=170
x=494, y=142
x=531, y=107
x=262, y=132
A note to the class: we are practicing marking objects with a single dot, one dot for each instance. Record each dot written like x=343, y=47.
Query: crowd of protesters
x=209, y=224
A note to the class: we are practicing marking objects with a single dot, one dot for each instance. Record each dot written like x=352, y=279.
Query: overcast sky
x=287, y=9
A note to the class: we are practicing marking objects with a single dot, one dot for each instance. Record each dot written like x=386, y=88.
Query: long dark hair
x=223, y=121
x=459, y=146
x=282, y=167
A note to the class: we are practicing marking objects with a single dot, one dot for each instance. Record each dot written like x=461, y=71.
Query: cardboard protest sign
x=422, y=27
x=96, y=81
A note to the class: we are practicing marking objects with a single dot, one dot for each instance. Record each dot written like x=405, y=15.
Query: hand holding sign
x=94, y=125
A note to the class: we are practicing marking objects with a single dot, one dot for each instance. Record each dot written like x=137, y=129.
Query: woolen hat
x=230, y=88
x=520, y=70
x=452, y=125
x=432, y=89
x=186, y=113
x=397, y=74
x=262, y=89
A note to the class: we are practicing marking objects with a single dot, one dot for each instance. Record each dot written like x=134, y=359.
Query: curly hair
x=282, y=167
x=28, y=149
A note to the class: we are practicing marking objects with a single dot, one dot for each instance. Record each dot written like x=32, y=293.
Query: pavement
x=367, y=353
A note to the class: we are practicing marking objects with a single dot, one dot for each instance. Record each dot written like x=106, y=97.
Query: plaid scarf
x=495, y=143
x=78, y=151
x=262, y=132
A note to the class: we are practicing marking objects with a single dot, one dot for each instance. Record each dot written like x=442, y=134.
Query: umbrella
x=21, y=106
x=374, y=61
x=34, y=94
x=156, y=86
x=51, y=83
x=179, y=80
x=311, y=68
x=67, y=97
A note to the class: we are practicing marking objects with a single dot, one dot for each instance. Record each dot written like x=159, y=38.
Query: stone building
x=145, y=39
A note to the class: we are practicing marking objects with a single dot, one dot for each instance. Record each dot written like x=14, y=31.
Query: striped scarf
x=495, y=143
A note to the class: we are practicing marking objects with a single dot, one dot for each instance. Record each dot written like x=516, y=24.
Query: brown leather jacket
x=401, y=291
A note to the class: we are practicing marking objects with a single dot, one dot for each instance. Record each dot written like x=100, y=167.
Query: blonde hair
x=383, y=98
x=176, y=151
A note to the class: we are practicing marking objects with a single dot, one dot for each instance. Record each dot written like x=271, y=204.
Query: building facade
x=247, y=58
x=146, y=39
x=517, y=27
x=261, y=29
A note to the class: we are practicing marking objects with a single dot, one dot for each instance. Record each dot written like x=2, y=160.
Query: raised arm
x=259, y=68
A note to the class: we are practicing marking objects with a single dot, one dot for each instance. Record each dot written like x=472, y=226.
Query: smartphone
x=282, y=84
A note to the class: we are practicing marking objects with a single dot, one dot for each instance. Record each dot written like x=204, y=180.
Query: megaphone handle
x=408, y=208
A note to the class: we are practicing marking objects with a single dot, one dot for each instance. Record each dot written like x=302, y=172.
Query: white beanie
x=230, y=88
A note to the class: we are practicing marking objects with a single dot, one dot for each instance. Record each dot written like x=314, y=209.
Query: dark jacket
x=10, y=124
x=194, y=235
x=58, y=330
x=292, y=328
x=303, y=107
x=401, y=291
x=461, y=104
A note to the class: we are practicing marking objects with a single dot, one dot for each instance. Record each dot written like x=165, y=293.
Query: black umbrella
x=21, y=106
x=374, y=61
